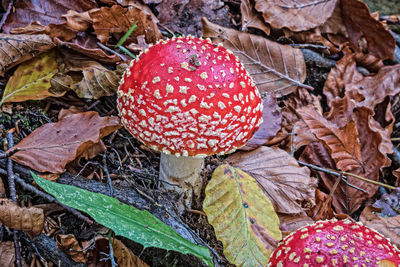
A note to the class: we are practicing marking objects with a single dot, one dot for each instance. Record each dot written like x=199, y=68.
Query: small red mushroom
x=335, y=243
x=188, y=98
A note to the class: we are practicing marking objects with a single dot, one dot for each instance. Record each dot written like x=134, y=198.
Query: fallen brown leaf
x=323, y=208
x=87, y=45
x=316, y=153
x=52, y=146
x=275, y=68
x=331, y=34
x=271, y=124
x=291, y=122
x=342, y=143
x=29, y=220
x=95, y=250
x=70, y=245
x=19, y=48
x=375, y=88
x=32, y=28
x=78, y=21
x=117, y=20
x=365, y=33
x=28, y=11
x=251, y=18
x=387, y=226
x=86, y=77
x=334, y=24
x=7, y=254
x=345, y=72
x=49, y=14
x=374, y=145
x=286, y=184
x=292, y=222
x=296, y=15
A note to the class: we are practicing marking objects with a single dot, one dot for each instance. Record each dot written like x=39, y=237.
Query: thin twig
x=13, y=194
x=326, y=202
x=5, y=15
x=336, y=173
x=9, y=153
x=105, y=168
x=309, y=46
x=112, y=51
x=110, y=235
x=315, y=167
x=10, y=172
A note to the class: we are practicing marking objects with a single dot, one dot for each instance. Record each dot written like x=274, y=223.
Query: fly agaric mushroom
x=188, y=98
x=335, y=243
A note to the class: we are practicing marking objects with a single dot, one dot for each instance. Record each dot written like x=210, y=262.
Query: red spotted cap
x=335, y=243
x=189, y=97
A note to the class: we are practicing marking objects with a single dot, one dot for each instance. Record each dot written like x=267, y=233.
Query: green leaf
x=126, y=35
x=127, y=221
x=243, y=217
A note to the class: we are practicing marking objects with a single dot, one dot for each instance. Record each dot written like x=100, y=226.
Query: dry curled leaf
x=367, y=91
x=117, y=20
x=387, y=226
x=86, y=77
x=373, y=90
x=374, y=145
x=97, y=248
x=31, y=29
x=316, y=153
x=342, y=143
x=7, y=254
x=296, y=15
x=292, y=222
x=331, y=34
x=345, y=72
x=70, y=245
x=286, y=184
x=291, y=122
x=366, y=34
x=251, y=18
x=29, y=220
x=28, y=11
x=52, y=146
x=275, y=68
x=87, y=45
x=271, y=124
x=78, y=21
x=19, y=48
x=323, y=208
x=49, y=14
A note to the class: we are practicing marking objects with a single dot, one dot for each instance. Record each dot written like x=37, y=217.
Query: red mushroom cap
x=335, y=243
x=187, y=96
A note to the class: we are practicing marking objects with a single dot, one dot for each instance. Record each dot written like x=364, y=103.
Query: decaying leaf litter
x=329, y=75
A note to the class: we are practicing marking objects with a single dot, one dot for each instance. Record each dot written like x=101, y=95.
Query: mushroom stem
x=182, y=175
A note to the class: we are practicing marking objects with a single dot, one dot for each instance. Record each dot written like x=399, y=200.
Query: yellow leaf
x=243, y=217
x=31, y=80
